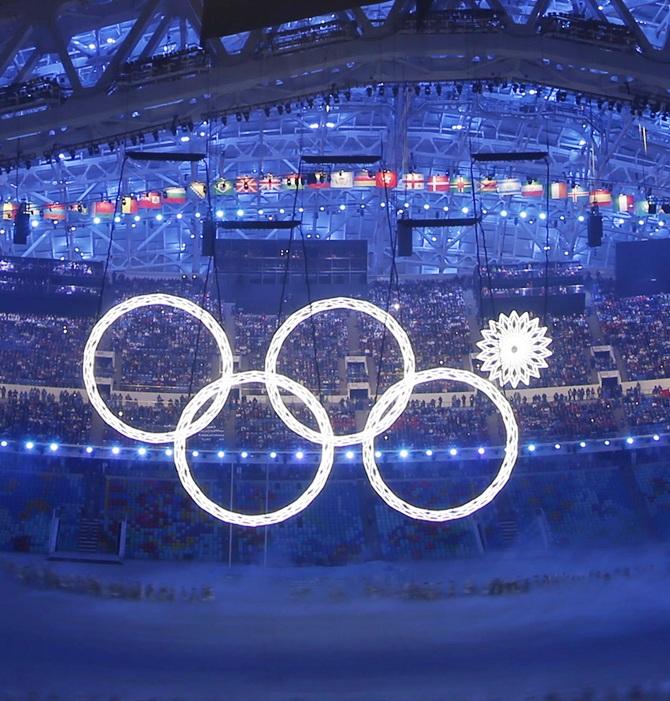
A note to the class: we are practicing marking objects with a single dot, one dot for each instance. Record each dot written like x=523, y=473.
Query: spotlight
x=89, y=450
x=273, y=454
x=378, y=453
x=221, y=454
x=429, y=453
x=3, y=444
x=168, y=452
x=404, y=453
x=350, y=454
x=531, y=448
x=195, y=453
x=244, y=454
x=453, y=452
x=656, y=437
x=630, y=440
x=53, y=447
x=503, y=213
x=481, y=451
x=607, y=443
x=582, y=444
x=557, y=446
x=299, y=455
x=142, y=452
x=116, y=450
x=29, y=445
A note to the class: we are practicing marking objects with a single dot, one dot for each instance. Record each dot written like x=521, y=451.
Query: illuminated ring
x=373, y=428
x=208, y=321
x=504, y=473
x=222, y=387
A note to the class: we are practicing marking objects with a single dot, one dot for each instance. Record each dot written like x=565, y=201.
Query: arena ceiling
x=475, y=76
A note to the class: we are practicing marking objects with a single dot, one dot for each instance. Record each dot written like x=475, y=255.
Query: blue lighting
x=630, y=440
x=219, y=213
x=582, y=444
x=168, y=452
x=481, y=451
x=607, y=442
x=3, y=444
x=142, y=451
x=300, y=455
x=240, y=212
x=557, y=446
x=350, y=454
x=53, y=447
x=656, y=437
x=453, y=452
x=503, y=212
x=244, y=454
x=273, y=454
x=378, y=453
x=195, y=453
x=404, y=453
x=29, y=445
x=531, y=448
x=429, y=453
x=221, y=454
x=116, y=450
x=89, y=450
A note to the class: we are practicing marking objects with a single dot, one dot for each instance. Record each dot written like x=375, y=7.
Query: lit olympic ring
x=383, y=415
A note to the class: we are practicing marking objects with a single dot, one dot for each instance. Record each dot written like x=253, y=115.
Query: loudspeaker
x=595, y=229
x=405, y=243
x=208, y=237
x=21, y=226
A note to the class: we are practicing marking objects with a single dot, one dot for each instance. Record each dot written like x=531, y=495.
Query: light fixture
x=221, y=454
x=116, y=450
x=453, y=452
x=429, y=453
x=481, y=451
x=582, y=444
x=89, y=450
x=244, y=454
x=299, y=455
x=273, y=455
x=557, y=446
x=531, y=448
x=53, y=447
x=350, y=454
x=29, y=445
x=404, y=453
x=142, y=451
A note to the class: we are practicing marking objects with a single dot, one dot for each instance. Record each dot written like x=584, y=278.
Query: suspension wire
x=546, y=241
x=290, y=244
x=393, y=277
x=198, y=333
x=479, y=255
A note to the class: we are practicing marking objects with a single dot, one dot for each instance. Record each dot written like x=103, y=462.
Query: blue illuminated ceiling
x=374, y=56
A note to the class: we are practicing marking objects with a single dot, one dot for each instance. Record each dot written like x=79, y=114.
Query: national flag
x=577, y=192
x=174, y=195
x=601, y=197
x=365, y=178
x=318, y=180
x=103, y=209
x=77, y=208
x=386, y=179
x=31, y=209
x=460, y=184
x=558, y=190
x=413, y=181
x=438, y=183
x=129, y=204
x=294, y=182
x=221, y=186
x=625, y=204
x=509, y=186
x=246, y=185
x=149, y=200
x=342, y=179
x=54, y=212
x=642, y=207
x=198, y=188
x=9, y=210
x=269, y=183
x=532, y=188
x=488, y=185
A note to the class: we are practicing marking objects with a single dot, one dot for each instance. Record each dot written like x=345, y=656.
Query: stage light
x=221, y=454
x=445, y=208
x=116, y=450
x=3, y=444
x=404, y=453
x=426, y=206
x=159, y=217
x=53, y=447
x=481, y=451
x=343, y=207
x=503, y=213
x=378, y=453
x=96, y=220
x=117, y=219
x=185, y=139
x=582, y=444
x=465, y=210
x=180, y=215
x=580, y=218
x=453, y=452
x=273, y=454
x=195, y=453
x=630, y=440
x=350, y=454
x=429, y=453
x=640, y=222
x=198, y=215
x=531, y=448
x=607, y=443
x=314, y=125
x=543, y=215
x=244, y=454
x=582, y=142
x=34, y=223
x=168, y=452
x=656, y=437
x=92, y=46
x=29, y=445
x=240, y=212
x=299, y=455
x=330, y=125
x=137, y=217
x=557, y=446
x=142, y=451
x=219, y=213
x=89, y=450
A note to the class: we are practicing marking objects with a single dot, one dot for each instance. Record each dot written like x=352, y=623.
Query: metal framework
x=418, y=96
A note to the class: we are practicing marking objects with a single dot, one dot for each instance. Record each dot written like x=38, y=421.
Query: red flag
x=54, y=212
x=438, y=183
x=149, y=200
x=532, y=188
x=601, y=197
x=413, y=181
x=104, y=209
x=386, y=179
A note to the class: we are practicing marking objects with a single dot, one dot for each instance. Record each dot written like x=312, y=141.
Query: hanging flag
x=460, y=184
x=625, y=204
x=246, y=185
x=488, y=185
x=54, y=212
x=174, y=195
x=318, y=180
x=532, y=188
x=342, y=179
x=642, y=207
x=149, y=200
x=104, y=209
x=438, y=183
x=77, y=208
x=386, y=179
x=413, y=181
x=9, y=210
x=509, y=186
x=198, y=188
x=558, y=190
x=601, y=197
x=129, y=204
x=294, y=182
x=577, y=192
x=221, y=186
x=269, y=183
x=365, y=178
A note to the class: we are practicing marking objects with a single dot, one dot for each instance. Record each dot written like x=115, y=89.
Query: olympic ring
x=383, y=415
x=116, y=313
x=223, y=385
x=283, y=332
x=500, y=480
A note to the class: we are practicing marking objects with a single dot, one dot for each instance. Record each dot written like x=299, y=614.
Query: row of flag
x=384, y=179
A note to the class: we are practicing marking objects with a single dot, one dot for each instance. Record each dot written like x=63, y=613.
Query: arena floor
x=311, y=633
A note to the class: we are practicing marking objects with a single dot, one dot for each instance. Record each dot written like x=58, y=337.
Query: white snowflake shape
x=514, y=349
